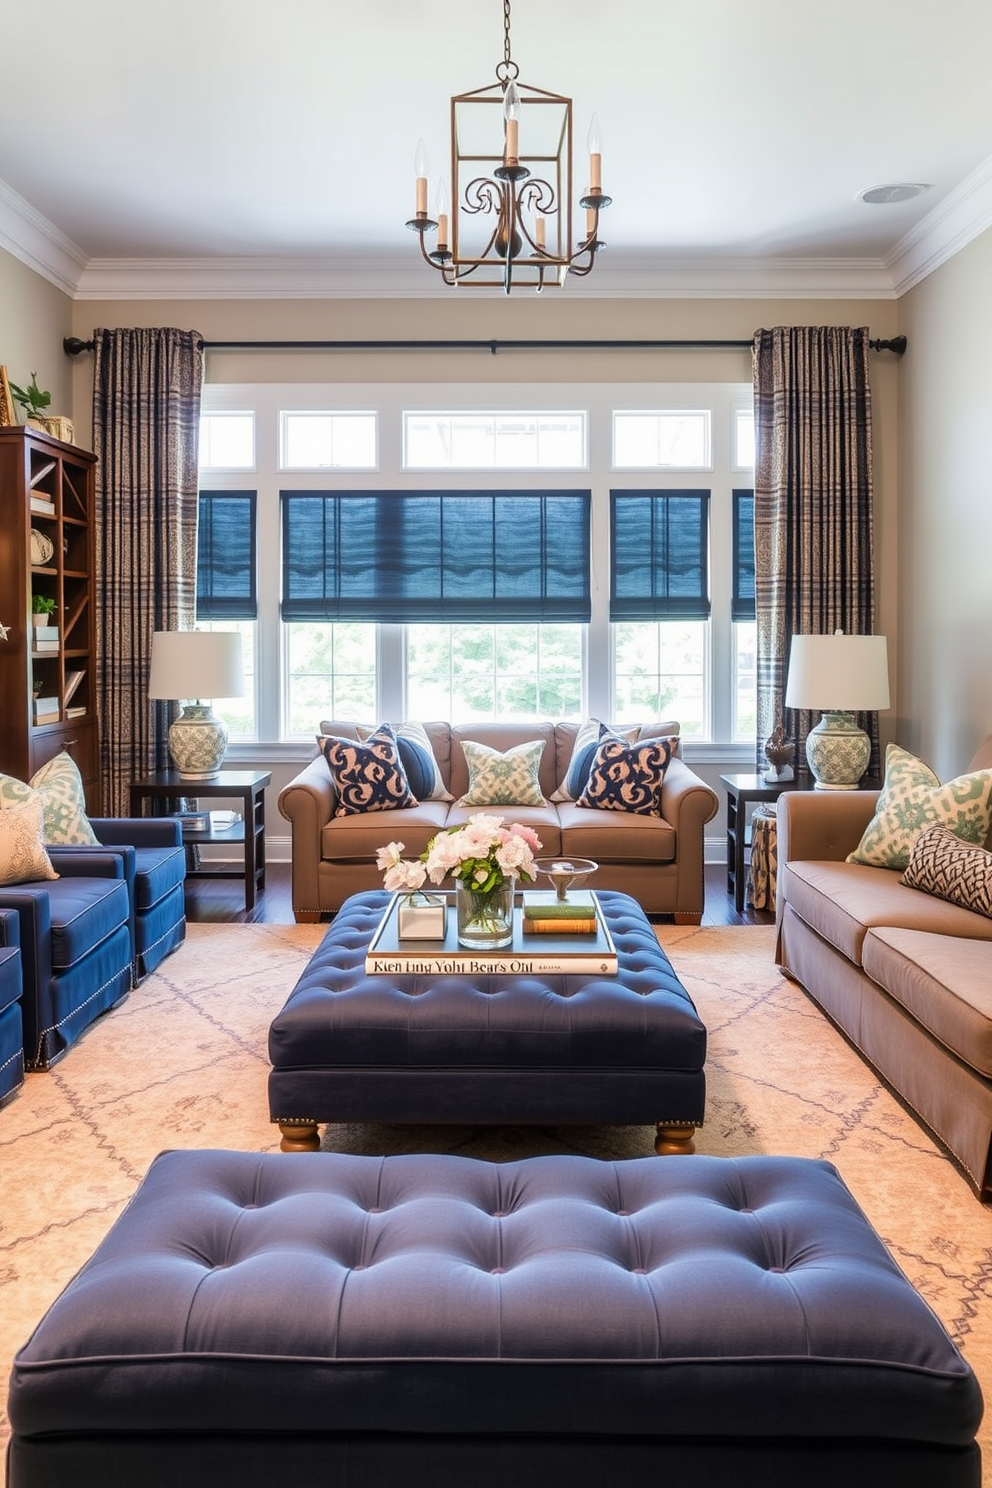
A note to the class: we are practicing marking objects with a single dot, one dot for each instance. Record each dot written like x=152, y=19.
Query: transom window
x=494, y=441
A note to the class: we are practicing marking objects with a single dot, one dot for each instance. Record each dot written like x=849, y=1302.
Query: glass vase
x=485, y=921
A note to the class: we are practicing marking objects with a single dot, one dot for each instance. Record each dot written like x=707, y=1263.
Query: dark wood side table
x=742, y=791
x=246, y=785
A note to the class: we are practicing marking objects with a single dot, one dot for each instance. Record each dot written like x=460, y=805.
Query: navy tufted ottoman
x=611, y=1050
x=437, y=1320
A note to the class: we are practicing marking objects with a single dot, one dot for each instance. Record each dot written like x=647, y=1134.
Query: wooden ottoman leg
x=674, y=1139
x=299, y=1136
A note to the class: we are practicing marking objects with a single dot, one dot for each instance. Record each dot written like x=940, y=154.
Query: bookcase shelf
x=48, y=486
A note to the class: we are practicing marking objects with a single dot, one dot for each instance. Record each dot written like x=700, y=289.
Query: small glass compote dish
x=565, y=873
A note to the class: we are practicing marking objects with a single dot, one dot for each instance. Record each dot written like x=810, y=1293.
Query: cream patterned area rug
x=183, y=1063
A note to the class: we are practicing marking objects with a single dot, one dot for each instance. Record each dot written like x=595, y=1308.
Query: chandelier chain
x=507, y=71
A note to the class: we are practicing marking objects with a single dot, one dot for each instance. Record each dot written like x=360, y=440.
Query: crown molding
x=31, y=238
x=617, y=275
x=960, y=217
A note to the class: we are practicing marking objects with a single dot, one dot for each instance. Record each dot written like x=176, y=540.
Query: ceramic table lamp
x=841, y=675
x=197, y=664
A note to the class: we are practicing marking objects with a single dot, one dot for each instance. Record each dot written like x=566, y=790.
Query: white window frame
x=390, y=400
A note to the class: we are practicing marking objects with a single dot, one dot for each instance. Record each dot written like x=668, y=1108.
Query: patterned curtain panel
x=146, y=412
x=812, y=508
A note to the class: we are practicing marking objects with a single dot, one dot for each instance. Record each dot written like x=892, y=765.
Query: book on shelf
x=45, y=632
x=44, y=705
x=72, y=681
x=79, y=711
x=47, y=717
x=45, y=648
x=565, y=954
x=42, y=505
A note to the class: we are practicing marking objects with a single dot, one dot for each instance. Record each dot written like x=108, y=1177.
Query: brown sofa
x=657, y=860
x=908, y=977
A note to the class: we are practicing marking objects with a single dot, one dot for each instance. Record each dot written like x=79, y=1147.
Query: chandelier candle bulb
x=540, y=233
x=420, y=172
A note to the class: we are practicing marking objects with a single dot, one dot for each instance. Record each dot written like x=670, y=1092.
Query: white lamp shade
x=838, y=673
x=196, y=664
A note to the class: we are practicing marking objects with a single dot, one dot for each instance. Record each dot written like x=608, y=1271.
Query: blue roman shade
x=225, y=556
x=743, y=599
x=660, y=564
x=436, y=557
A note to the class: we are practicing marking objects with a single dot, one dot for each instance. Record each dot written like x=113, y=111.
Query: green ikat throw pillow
x=911, y=798
x=508, y=779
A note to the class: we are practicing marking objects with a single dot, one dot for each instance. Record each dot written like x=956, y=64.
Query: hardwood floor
x=223, y=900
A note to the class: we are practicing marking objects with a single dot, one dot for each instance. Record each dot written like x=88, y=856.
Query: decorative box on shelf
x=54, y=424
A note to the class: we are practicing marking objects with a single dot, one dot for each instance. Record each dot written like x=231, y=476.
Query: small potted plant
x=32, y=399
x=43, y=609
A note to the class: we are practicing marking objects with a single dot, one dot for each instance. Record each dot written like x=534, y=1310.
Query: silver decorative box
x=422, y=921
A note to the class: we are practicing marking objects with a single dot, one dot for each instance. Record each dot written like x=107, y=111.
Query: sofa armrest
x=687, y=804
x=78, y=860
x=307, y=803
x=822, y=826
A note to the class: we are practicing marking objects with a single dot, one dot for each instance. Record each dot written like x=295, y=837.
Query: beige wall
x=944, y=512
x=34, y=317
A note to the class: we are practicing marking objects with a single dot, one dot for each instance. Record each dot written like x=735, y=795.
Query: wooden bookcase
x=47, y=683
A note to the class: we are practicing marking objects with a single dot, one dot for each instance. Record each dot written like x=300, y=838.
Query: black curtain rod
x=72, y=345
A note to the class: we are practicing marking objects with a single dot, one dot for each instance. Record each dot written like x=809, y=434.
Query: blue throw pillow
x=627, y=777
x=422, y=770
x=368, y=776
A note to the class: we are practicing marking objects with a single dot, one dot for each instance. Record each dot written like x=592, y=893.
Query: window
x=226, y=589
x=227, y=441
x=403, y=557
x=677, y=439
x=313, y=440
x=398, y=576
x=489, y=441
x=474, y=672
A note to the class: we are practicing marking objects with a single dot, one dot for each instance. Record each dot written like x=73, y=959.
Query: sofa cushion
x=503, y=779
x=944, y=981
x=627, y=777
x=942, y=864
x=911, y=798
x=367, y=776
x=843, y=901
x=85, y=912
x=614, y=836
x=358, y=837
x=23, y=858
x=422, y=770
x=63, y=799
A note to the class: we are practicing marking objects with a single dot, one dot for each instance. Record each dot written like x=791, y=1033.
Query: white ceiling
x=236, y=147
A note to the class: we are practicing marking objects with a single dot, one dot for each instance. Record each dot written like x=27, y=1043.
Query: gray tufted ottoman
x=436, y=1320
x=607, y=1050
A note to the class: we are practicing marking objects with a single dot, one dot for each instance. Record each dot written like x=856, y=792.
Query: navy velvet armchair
x=75, y=943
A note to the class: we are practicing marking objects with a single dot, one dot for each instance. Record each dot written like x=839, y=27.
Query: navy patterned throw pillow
x=627, y=777
x=368, y=776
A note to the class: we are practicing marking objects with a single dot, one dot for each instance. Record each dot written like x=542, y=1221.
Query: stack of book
x=44, y=639
x=546, y=914
x=45, y=710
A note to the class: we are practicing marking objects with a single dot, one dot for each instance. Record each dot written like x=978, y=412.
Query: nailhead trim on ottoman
x=252, y=1311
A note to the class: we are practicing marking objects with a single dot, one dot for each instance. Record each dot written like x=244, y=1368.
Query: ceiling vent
x=901, y=191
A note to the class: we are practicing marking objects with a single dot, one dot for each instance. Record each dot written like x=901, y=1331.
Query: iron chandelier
x=511, y=188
